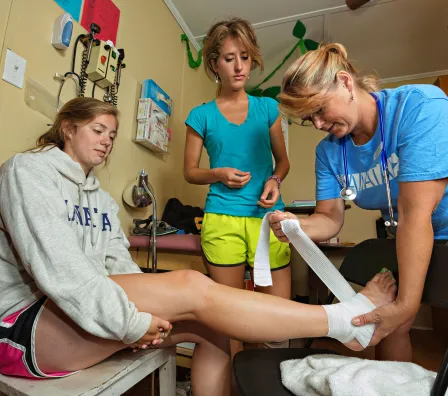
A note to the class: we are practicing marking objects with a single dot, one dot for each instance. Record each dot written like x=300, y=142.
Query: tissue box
x=150, y=90
x=152, y=134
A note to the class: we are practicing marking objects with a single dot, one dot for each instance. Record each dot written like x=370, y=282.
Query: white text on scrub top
x=373, y=177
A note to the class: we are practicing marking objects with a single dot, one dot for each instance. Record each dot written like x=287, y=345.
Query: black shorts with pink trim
x=17, y=334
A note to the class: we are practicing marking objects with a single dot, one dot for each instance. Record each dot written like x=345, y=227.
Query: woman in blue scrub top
x=403, y=131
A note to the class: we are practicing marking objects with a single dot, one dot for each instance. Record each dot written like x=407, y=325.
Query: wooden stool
x=113, y=376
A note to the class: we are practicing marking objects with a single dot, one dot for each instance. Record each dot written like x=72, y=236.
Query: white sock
x=340, y=320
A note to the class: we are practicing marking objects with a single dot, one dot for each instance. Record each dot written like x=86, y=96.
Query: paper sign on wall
x=73, y=7
x=105, y=14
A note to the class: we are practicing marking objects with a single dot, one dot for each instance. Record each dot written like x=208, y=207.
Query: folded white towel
x=332, y=375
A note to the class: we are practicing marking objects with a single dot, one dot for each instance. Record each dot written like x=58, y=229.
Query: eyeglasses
x=308, y=121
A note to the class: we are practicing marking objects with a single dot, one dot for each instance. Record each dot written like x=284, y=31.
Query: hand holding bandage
x=339, y=315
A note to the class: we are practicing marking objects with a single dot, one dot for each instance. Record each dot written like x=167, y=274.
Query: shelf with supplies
x=154, y=110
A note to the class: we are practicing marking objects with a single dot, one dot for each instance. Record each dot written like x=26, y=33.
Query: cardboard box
x=152, y=134
x=144, y=109
x=147, y=108
x=150, y=90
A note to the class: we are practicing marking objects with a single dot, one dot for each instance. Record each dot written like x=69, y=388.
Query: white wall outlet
x=14, y=71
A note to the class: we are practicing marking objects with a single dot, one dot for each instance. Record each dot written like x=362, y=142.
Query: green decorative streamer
x=194, y=64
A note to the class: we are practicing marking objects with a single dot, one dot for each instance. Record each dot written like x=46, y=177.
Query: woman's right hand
x=156, y=334
x=275, y=219
x=233, y=178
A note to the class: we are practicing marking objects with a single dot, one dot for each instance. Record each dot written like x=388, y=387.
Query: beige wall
x=151, y=39
x=5, y=6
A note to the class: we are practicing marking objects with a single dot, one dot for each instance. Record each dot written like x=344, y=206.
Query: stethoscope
x=349, y=194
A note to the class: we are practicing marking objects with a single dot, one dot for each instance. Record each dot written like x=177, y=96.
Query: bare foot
x=380, y=290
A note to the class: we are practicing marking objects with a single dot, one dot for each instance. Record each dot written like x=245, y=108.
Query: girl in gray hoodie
x=70, y=295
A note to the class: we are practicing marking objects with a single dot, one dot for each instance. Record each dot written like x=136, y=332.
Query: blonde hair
x=317, y=70
x=76, y=111
x=236, y=28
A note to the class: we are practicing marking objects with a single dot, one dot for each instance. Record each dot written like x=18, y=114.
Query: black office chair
x=257, y=372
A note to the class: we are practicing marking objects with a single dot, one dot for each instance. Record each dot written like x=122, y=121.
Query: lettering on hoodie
x=83, y=217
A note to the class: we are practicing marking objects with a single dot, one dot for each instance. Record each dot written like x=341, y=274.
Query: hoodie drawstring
x=81, y=210
x=93, y=234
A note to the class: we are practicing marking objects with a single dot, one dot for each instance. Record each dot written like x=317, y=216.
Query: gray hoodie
x=60, y=236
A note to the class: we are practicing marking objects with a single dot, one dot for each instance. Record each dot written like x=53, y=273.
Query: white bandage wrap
x=262, y=267
x=339, y=315
x=340, y=320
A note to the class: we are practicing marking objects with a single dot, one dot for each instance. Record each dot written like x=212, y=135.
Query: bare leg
x=396, y=346
x=189, y=295
x=211, y=365
x=281, y=287
x=232, y=277
x=179, y=296
x=61, y=345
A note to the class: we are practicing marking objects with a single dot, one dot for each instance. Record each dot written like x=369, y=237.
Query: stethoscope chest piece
x=348, y=194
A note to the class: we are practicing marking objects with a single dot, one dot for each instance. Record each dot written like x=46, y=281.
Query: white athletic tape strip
x=318, y=262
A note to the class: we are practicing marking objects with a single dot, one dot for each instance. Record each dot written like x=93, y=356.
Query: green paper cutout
x=311, y=45
x=272, y=92
x=299, y=30
x=302, y=46
x=256, y=92
x=194, y=64
x=305, y=45
x=278, y=67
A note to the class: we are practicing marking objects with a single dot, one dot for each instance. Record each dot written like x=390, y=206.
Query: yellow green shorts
x=231, y=240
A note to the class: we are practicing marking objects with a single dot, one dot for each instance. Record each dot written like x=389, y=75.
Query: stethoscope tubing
x=352, y=195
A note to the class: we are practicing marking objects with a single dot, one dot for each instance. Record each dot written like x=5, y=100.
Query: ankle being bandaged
x=339, y=315
x=340, y=320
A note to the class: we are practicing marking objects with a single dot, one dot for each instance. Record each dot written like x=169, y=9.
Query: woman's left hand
x=387, y=319
x=270, y=194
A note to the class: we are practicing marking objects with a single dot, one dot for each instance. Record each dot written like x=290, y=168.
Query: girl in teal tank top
x=241, y=134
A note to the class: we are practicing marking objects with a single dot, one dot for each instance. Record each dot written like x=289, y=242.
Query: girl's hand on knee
x=156, y=334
